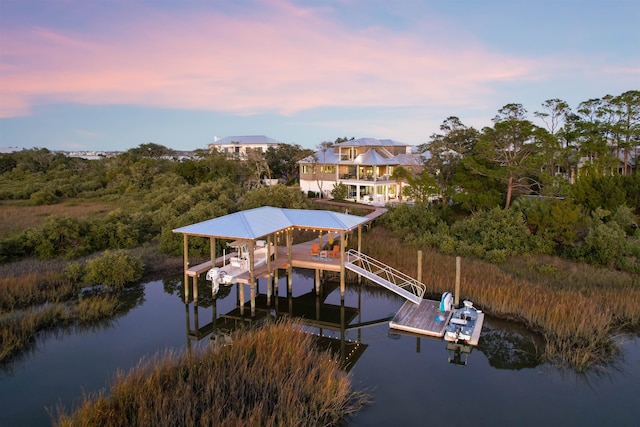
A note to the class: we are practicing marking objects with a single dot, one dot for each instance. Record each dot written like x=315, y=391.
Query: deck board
x=421, y=318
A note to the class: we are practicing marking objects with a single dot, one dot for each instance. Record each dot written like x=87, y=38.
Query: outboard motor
x=446, y=302
x=213, y=275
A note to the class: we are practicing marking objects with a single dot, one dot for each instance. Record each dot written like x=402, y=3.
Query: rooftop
x=259, y=222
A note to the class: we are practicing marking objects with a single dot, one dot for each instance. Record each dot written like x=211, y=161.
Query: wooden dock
x=423, y=318
x=427, y=319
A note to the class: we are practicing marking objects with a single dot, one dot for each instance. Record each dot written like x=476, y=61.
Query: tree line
x=484, y=168
x=151, y=193
x=567, y=189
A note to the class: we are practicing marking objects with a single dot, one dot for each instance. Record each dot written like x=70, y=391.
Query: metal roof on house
x=372, y=157
x=256, y=223
x=248, y=139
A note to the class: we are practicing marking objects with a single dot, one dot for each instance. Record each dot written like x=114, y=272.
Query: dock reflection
x=328, y=323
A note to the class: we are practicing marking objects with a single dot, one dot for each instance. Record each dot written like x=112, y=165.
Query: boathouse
x=274, y=226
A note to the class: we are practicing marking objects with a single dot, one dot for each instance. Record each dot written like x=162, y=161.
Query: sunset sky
x=111, y=75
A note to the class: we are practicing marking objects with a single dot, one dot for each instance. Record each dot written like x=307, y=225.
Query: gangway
x=380, y=273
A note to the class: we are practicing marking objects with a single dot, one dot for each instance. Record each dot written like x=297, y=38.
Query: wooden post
x=290, y=251
x=253, y=297
x=241, y=297
x=317, y=281
x=185, y=254
x=212, y=249
x=269, y=254
x=269, y=285
x=342, y=281
x=252, y=279
x=419, y=266
x=456, y=294
x=195, y=289
x=359, y=249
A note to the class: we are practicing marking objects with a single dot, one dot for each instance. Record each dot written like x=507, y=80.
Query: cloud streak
x=281, y=59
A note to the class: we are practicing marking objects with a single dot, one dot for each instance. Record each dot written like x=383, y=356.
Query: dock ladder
x=380, y=273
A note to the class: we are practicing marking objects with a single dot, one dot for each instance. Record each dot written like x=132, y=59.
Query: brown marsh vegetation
x=272, y=376
x=580, y=310
x=15, y=216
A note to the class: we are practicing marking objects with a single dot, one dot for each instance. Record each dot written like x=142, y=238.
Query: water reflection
x=332, y=324
x=509, y=346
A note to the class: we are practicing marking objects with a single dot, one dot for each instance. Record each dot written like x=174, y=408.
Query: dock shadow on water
x=411, y=378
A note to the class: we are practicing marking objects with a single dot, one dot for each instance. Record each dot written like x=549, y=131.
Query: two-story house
x=364, y=165
x=241, y=146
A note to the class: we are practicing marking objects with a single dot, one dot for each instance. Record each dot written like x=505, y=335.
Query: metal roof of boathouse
x=256, y=223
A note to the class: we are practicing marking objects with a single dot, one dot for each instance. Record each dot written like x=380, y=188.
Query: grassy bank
x=579, y=312
x=37, y=296
x=272, y=376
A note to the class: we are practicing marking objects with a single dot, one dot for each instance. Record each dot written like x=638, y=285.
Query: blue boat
x=462, y=323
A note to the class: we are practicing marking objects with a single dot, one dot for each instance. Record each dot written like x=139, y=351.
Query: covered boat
x=238, y=264
x=462, y=322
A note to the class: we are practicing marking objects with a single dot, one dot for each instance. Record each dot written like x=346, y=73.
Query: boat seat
x=456, y=321
x=237, y=261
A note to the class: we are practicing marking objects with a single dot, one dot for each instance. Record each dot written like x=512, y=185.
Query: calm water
x=411, y=379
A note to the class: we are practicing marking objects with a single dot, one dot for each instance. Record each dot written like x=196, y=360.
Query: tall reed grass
x=272, y=376
x=578, y=318
x=19, y=328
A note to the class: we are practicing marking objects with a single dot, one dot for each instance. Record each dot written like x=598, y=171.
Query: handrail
x=390, y=274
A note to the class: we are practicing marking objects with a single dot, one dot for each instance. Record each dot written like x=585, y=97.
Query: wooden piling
x=456, y=293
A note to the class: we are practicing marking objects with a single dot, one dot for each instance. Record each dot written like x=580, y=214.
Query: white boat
x=462, y=323
x=239, y=263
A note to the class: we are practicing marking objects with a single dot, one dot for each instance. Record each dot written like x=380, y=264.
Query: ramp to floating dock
x=380, y=273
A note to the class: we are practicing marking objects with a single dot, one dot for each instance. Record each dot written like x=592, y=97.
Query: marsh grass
x=272, y=376
x=578, y=309
x=36, y=296
x=32, y=282
x=19, y=328
x=18, y=215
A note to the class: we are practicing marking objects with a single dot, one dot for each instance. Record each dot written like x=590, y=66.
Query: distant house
x=241, y=146
x=364, y=165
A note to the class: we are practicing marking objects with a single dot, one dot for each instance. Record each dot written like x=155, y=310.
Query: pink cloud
x=282, y=59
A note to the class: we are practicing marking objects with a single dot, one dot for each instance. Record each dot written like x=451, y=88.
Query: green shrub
x=12, y=247
x=42, y=197
x=499, y=230
x=114, y=269
x=340, y=191
x=279, y=196
x=60, y=236
x=416, y=218
x=626, y=219
x=74, y=272
x=604, y=244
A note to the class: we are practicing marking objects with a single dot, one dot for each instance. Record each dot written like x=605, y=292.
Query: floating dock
x=426, y=319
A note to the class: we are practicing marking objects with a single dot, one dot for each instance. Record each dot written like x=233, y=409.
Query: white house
x=240, y=146
x=364, y=165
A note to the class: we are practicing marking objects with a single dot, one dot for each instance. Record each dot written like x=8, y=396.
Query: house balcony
x=351, y=178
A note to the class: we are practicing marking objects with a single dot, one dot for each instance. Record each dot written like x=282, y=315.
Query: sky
x=78, y=75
